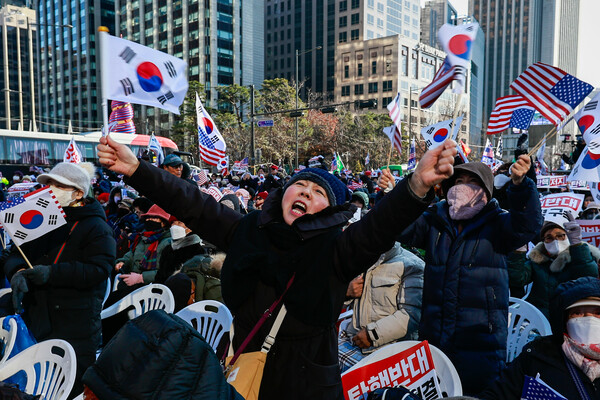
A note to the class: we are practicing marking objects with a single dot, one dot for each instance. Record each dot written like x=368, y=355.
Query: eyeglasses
x=550, y=238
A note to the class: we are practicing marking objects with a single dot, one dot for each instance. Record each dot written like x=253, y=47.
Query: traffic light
x=328, y=110
x=296, y=114
x=367, y=103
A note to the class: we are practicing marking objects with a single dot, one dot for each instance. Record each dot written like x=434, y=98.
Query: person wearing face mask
x=466, y=239
x=569, y=359
x=560, y=256
x=62, y=294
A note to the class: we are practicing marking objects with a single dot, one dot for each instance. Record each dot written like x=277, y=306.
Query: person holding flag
x=62, y=294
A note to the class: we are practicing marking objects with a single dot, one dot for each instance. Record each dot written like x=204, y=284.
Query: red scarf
x=586, y=357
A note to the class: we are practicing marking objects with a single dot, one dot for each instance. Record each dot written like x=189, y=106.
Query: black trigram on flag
x=591, y=105
x=167, y=96
x=42, y=203
x=52, y=219
x=127, y=86
x=127, y=54
x=9, y=218
x=20, y=235
x=170, y=69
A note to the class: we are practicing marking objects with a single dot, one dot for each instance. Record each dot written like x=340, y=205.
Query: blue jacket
x=465, y=292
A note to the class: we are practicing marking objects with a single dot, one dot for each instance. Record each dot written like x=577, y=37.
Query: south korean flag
x=31, y=216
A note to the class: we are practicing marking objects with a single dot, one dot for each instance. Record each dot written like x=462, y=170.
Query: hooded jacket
x=547, y=273
x=263, y=253
x=465, y=293
x=544, y=355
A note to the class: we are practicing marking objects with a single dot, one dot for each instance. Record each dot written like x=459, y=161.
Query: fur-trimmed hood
x=539, y=255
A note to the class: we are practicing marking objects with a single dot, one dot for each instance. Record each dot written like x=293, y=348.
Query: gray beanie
x=76, y=175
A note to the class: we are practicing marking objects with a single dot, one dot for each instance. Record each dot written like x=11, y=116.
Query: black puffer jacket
x=263, y=252
x=68, y=306
x=545, y=355
x=158, y=356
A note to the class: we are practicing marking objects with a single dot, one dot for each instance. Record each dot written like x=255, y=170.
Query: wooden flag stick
x=456, y=109
x=23, y=254
x=548, y=135
x=390, y=154
x=2, y=240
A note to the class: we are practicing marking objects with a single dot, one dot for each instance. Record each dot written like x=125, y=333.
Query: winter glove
x=38, y=275
x=19, y=287
x=573, y=232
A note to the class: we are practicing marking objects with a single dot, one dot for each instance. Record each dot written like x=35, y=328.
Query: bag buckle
x=267, y=344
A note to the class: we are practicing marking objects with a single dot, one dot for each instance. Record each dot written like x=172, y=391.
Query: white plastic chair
x=446, y=373
x=144, y=299
x=5, y=291
x=525, y=323
x=8, y=337
x=49, y=368
x=107, y=292
x=210, y=318
x=116, y=282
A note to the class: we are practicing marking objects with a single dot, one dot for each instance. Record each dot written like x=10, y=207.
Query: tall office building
x=221, y=41
x=303, y=25
x=18, y=53
x=68, y=66
x=434, y=14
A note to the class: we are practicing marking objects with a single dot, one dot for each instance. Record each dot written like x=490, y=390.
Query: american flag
x=503, y=114
x=552, y=91
x=412, y=156
x=395, y=110
x=395, y=136
x=211, y=143
x=488, y=154
x=201, y=178
x=535, y=389
x=355, y=185
x=244, y=163
x=443, y=77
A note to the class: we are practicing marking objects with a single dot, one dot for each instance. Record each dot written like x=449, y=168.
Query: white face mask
x=556, y=246
x=585, y=330
x=16, y=178
x=177, y=232
x=64, y=197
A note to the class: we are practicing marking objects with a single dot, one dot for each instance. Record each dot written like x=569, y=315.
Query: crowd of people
x=431, y=256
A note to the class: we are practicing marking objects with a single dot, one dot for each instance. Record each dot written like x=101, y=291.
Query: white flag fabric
x=31, y=216
x=587, y=167
x=393, y=133
x=588, y=120
x=488, y=154
x=154, y=145
x=395, y=110
x=457, y=42
x=436, y=134
x=141, y=75
x=223, y=164
x=72, y=153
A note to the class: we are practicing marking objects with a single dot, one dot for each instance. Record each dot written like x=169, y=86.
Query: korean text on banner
x=551, y=181
x=590, y=231
x=412, y=368
x=556, y=206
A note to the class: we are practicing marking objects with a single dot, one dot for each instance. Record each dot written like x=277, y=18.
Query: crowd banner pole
x=102, y=33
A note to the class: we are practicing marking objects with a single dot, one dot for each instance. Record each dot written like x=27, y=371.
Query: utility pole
x=252, y=152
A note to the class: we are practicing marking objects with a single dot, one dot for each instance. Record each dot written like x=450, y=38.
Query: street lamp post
x=410, y=92
x=296, y=118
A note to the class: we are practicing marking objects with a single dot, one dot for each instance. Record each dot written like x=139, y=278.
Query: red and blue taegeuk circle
x=149, y=76
x=440, y=135
x=460, y=46
x=585, y=122
x=591, y=161
x=31, y=219
x=208, y=125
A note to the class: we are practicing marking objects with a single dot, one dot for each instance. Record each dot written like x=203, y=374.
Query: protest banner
x=555, y=207
x=578, y=185
x=551, y=181
x=412, y=368
x=19, y=189
x=590, y=231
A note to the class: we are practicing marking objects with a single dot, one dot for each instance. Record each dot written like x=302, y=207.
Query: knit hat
x=337, y=192
x=361, y=196
x=76, y=175
x=104, y=197
x=478, y=169
x=550, y=225
x=262, y=195
x=156, y=211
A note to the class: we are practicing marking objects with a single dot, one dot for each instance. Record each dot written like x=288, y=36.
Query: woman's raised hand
x=116, y=156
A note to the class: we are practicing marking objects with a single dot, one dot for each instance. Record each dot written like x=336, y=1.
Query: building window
x=346, y=71
x=404, y=61
x=373, y=87
x=355, y=4
x=358, y=89
x=343, y=37
x=380, y=7
x=355, y=19
x=388, y=66
x=386, y=100
x=359, y=70
x=345, y=91
x=379, y=23
x=371, y=3
x=343, y=5
x=373, y=67
x=370, y=19
x=354, y=34
x=387, y=86
x=343, y=21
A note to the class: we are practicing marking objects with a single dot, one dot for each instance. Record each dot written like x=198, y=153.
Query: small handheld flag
x=488, y=154
x=72, y=153
x=536, y=389
x=588, y=120
x=510, y=111
x=155, y=146
x=211, y=143
x=395, y=110
x=436, y=134
x=443, y=77
x=395, y=136
x=412, y=156
x=457, y=42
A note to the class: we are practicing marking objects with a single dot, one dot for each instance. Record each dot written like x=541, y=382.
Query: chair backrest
x=116, y=282
x=144, y=299
x=8, y=337
x=107, y=292
x=446, y=372
x=48, y=366
x=525, y=323
x=210, y=318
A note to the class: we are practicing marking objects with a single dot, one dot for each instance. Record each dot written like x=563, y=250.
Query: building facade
x=216, y=38
x=304, y=25
x=378, y=69
x=434, y=14
x=19, y=57
x=69, y=82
